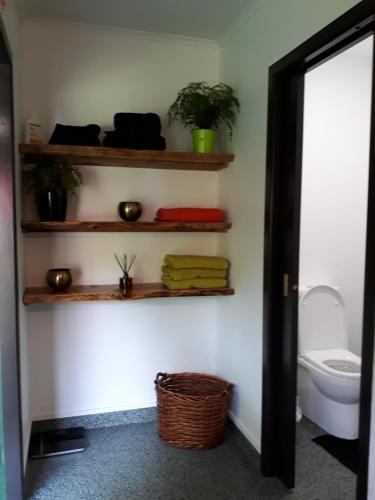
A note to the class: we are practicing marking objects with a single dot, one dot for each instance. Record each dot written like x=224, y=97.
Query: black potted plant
x=51, y=184
x=203, y=108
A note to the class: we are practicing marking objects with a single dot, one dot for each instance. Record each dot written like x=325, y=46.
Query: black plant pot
x=51, y=205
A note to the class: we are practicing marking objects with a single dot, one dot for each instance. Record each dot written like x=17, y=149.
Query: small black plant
x=56, y=176
x=51, y=183
x=200, y=106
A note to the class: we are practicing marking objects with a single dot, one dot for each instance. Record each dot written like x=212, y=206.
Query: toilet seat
x=335, y=362
x=322, y=321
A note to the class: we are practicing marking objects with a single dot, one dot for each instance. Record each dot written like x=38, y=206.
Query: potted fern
x=51, y=184
x=203, y=108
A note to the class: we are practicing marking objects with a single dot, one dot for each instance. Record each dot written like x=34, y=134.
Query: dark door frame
x=281, y=257
x=9, y=325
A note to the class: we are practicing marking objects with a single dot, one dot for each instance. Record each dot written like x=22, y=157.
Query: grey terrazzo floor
x=130, y=462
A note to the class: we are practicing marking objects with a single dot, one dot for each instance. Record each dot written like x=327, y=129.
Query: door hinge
x=286, y=285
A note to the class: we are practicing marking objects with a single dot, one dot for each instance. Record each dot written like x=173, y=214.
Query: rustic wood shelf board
x=117, y=157
x=79, y=293
x=75, y=226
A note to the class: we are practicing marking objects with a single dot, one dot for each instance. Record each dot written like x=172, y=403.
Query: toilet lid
x=322, y=319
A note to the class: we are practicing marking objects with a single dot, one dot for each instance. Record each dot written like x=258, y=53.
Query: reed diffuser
x=125, y=264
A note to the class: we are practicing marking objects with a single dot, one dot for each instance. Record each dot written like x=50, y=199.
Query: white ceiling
x=207, y=19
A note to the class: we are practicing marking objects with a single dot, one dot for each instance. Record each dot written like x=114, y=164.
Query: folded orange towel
x=189, y=215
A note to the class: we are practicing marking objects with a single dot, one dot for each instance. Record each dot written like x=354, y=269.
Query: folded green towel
x=195, y=261
x=194, y=283
x=186, y=274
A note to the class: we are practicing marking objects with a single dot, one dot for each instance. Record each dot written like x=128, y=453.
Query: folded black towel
x=133, y=136
x=114, y=139
x=76, y=136
x=146, y=123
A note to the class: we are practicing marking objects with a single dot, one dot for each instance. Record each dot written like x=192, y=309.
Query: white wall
x=10, y=19
x=86, y=358
x=336, y=151
x=79, y=74
x=272, y=29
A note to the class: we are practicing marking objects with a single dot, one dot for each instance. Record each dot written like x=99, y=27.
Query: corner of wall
x=11, y=22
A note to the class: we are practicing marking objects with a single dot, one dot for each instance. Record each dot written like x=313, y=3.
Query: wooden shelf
x=75, y=226
x=115, y=157
x=79, y=293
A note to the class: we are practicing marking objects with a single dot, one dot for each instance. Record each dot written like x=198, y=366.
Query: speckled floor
x=130, y=462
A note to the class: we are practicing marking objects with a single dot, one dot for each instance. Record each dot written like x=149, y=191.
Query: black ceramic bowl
x=129, y=211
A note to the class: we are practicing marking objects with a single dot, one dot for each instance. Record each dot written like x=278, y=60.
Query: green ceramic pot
x=203, y=140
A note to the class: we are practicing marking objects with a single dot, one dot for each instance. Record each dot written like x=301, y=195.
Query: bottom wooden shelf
x=79, y=293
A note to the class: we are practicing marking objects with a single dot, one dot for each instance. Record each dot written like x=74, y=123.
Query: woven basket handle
x=228, y=389
x=160, y=377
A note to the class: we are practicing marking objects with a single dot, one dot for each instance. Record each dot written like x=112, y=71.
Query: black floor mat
x=345, y=450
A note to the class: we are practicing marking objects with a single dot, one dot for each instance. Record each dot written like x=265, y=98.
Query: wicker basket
x=192, y=409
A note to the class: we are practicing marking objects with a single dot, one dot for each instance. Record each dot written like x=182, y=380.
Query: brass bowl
x=129, y=211
x=59, y=280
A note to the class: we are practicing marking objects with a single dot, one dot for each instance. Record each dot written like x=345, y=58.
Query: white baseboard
x=93, y=411
x=132, y=406
x=248, y=435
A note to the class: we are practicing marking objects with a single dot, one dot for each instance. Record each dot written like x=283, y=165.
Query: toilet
x=329, y=374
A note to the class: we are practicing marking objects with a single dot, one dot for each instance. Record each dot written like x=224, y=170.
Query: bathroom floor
x=130, y=462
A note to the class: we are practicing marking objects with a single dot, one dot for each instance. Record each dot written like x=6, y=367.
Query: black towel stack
x=136, y=131
x=76, y=136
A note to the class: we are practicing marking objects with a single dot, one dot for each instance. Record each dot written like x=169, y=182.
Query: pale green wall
x=274, y=28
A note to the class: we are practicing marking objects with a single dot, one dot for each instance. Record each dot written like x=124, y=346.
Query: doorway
x=282, y=238
x=11, y=481
x=333, y=220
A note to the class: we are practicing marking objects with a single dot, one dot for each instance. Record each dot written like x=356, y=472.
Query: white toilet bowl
x=335, y=372
x=328, y=373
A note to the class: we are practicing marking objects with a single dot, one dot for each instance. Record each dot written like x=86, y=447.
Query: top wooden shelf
x=117, y=157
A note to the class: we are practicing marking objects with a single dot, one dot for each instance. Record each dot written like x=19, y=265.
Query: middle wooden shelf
x=74, y=226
